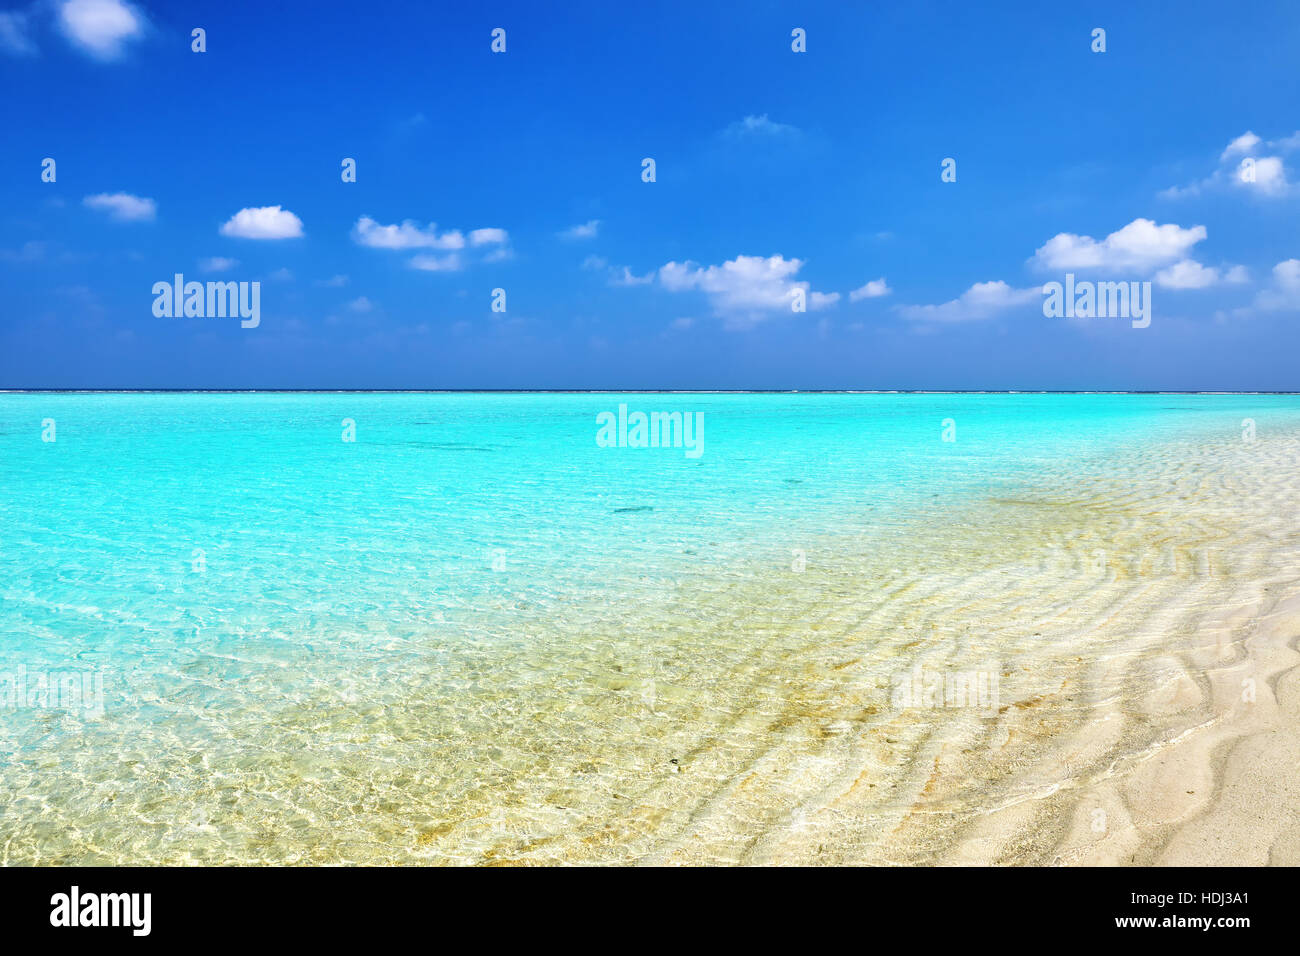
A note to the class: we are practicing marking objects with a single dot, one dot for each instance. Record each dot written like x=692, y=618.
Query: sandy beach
x=1147, y=625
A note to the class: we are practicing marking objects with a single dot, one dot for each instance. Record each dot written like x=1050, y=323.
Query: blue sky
x=775, y=170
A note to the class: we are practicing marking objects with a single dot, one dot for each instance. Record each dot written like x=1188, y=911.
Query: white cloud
x=1287, y=143
x=1240, y=146
x=123, y=206
x=1141, y=245
x=981, y=301
x=217, y=264
x=586, y=230
x=334, y=282
x=617, y=275
x=1268, y=176
x=101, y=28
x=361, y=304
x=488, y=237
x=427, y=263
x=263, y=222
x=1287, y=274
x=13, y=35
x=1249, y=164
x=1189, y=274
x=407, y=235
x=872, y=290
x=759, y=126
x=744, y=288
x=626, y=277
x=1285, y=293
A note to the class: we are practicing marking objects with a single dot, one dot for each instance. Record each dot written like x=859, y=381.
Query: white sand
x=1149, y=712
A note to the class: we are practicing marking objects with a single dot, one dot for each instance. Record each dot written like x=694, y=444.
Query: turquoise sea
x=318, y=649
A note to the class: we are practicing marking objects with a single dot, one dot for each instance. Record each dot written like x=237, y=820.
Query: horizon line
x=641, y=391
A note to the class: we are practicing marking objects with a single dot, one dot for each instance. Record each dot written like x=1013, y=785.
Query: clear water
x=313, y=648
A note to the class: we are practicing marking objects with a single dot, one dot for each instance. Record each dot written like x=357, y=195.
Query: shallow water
x=474, y=635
